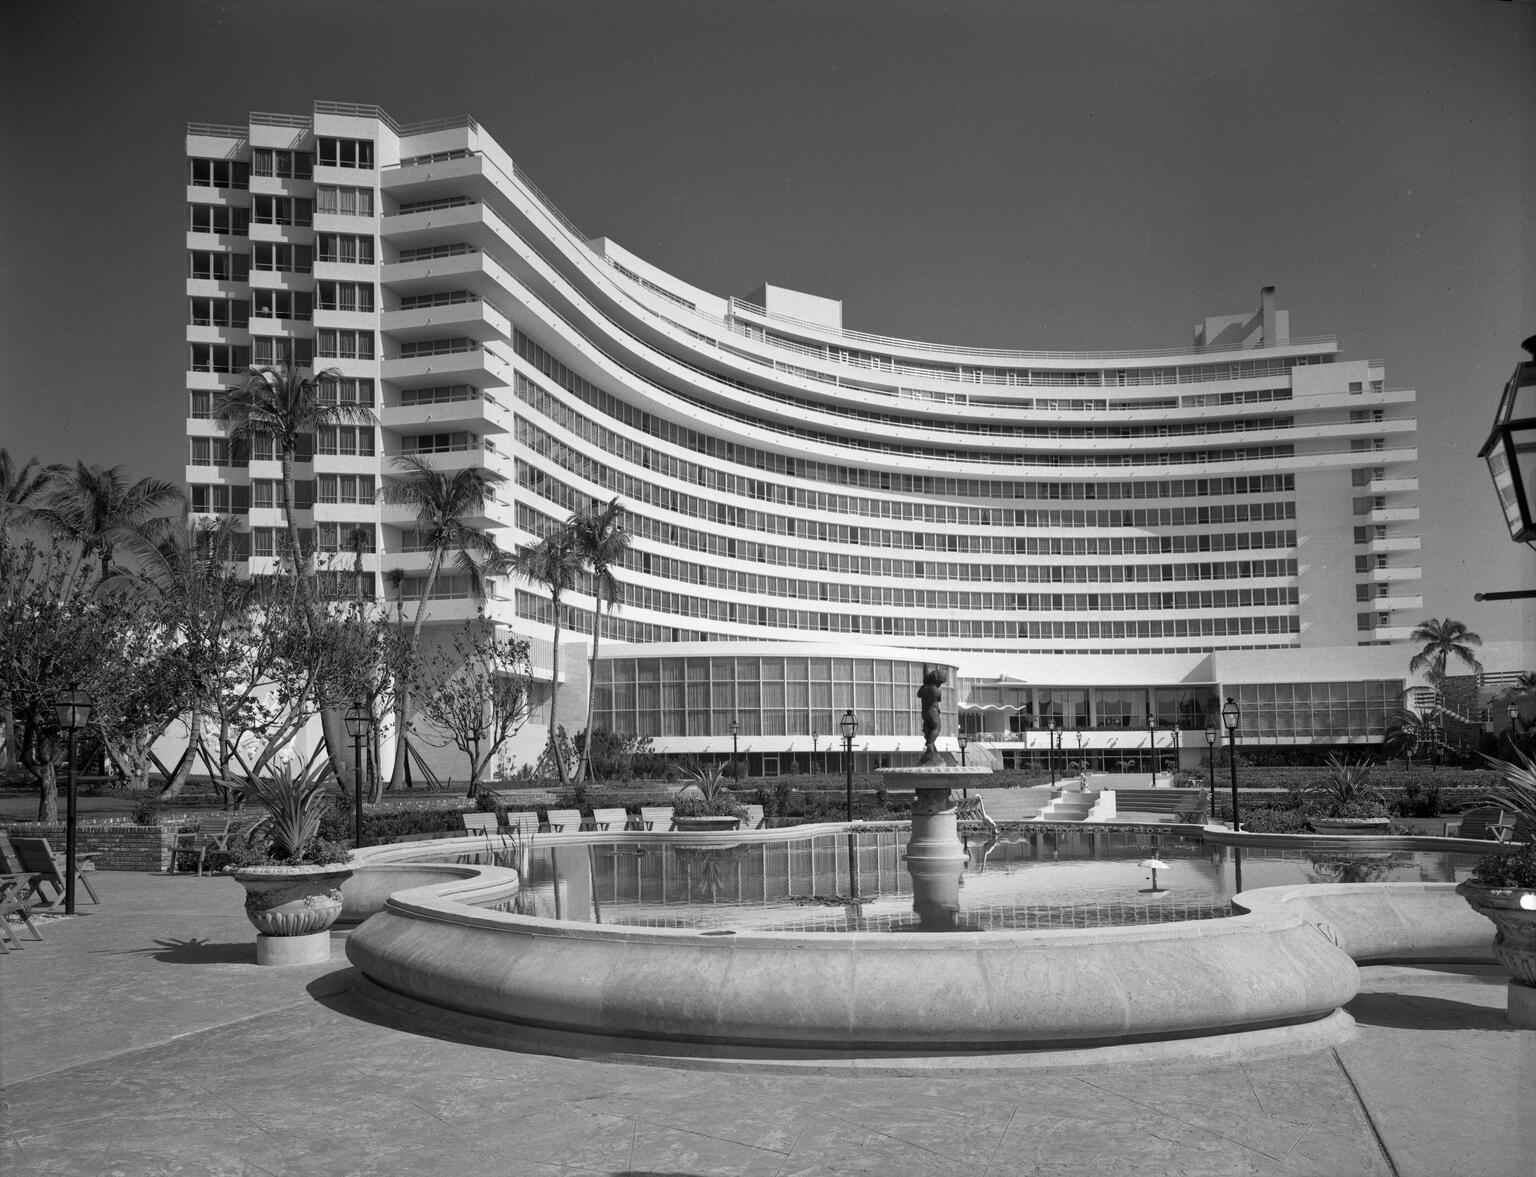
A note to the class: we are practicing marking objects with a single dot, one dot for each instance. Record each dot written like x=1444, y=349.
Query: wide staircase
x=1169, y=802
x=1070, y=807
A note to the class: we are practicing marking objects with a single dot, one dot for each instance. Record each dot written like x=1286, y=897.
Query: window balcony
x=476, y=319
x=1392, y=515
x=1392, y=575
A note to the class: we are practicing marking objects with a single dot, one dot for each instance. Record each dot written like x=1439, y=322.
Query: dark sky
x=1087, y=174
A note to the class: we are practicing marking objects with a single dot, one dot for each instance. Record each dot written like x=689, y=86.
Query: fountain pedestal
x=934, y=837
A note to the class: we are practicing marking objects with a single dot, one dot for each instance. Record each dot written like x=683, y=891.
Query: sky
x=1087, y=174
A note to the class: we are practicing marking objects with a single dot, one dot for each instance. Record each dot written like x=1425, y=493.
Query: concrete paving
x=141, y=1038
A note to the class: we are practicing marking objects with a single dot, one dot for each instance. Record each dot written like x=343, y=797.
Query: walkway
x=140, y=1038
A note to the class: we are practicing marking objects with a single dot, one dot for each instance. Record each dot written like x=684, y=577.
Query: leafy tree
x=97, y=509
x=601, y=541
x=445, y=502
x=475, y=691
x=553, y=562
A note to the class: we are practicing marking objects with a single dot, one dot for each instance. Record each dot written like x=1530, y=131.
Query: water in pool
x=1029, y=880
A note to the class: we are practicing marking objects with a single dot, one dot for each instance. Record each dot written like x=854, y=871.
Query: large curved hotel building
x=1084, y=539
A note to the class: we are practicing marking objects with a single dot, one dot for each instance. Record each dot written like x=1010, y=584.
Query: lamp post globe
x=1210, y=758
x=849, y=725
x=1230, y=718
x=964, y=741
x=1510, y=450
x=735, y=753
x=73, y=711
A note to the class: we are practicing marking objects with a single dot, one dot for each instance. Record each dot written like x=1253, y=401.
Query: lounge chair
x=613, y=818
x=1480, y=823
x=19, y=897
x=564, y=821
x=969, y=811
x=655, y=817
x=36, y=857
x=210, y=834
x=522, y=824
x=480, y=823
x=754, y=819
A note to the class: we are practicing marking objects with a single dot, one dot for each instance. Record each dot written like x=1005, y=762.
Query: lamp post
x=1230, y=716
x=1210, y=758
x=735, y=752
x=1152, y=746
x=963, y=740
x=359, y=719
x=73, y=711
x=850, y=724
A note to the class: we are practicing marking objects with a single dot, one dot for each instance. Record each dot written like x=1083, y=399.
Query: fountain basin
x=429, y=954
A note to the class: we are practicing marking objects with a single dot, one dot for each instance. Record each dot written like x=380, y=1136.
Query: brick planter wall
x=117, y=845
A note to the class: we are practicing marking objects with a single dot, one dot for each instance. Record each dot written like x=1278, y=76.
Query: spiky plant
x=293, y=804
x=1347, y=791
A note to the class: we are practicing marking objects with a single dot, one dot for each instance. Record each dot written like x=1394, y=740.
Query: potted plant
x=292, y=877
x=706, y=803
x=1346, y=802
x=1503, y=886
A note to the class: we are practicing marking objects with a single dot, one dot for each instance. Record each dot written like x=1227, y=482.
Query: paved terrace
x=141, y=1038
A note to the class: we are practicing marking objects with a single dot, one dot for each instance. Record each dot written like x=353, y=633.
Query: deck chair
x=38, y=858
x=564, y=821
x=522, y=824
x=211, y=834
x=754, y=818
x=970, y=811
x=18, y=897
x=9, y=863
x=655, y=817
x=1475, y=823
x=480, y=823
x=613, y=818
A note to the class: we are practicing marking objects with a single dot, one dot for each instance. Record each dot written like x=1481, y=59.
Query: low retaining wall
x=116, y=845
x=1377, y=923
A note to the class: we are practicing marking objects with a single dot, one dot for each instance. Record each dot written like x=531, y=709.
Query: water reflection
x=862, y=882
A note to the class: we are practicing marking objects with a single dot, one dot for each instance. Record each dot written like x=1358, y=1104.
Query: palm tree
x=553, y=562
x=601, y=541
x=444, y=502
x=21, y=491
x=1442, y=641
x=284, y=404
x=97, y=509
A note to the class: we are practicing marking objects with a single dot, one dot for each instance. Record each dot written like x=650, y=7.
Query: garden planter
x=1513, y=912
x=711, y=824
x=293, y=907
x=1349, y=825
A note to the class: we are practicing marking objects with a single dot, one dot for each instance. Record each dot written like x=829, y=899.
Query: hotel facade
x=1084, y=539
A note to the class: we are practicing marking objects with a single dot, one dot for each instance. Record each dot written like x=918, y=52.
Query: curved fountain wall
x=428, y=951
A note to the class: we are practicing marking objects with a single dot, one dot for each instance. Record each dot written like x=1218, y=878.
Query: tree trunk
x=554, y=690
x=338, y=746
x=48, y=791
x=183, y=771
x=402, y=692
x=584, y=765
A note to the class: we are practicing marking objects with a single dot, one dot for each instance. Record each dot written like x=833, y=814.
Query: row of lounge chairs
x=566, y=821
x=33, y=882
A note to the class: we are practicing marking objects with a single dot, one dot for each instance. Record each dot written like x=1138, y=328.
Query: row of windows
x=270, y=351
x=219, y=312
x=218, y=173
x=345, y=439
x=284, y=165
x=346, y=202
x=345, y=296
x=282, y=210
x=218, y=266
x=345, y=488
x=413, y=349
x=297, y=305
x=696, y=507
x=442, y=298
x=343, y=153
x=344, y=344
x=218, y=357
x=351, y=390
x=930, y=628
x=348, y=248
x=210, y=218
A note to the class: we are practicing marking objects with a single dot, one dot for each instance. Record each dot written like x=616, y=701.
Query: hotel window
x=285, y=165
x=438, y=443
x=220, y=267
x=210, y=218
x=344, y=153
x=282, y=210
x=282, y=304
x=220, y=312
x=220, y=173
x=219, y=500
x=347, y=390
x=201, y=406
x=344, y=488
x=219, y=357
x=282, y=258
x=263, y=541
x=337, y=537
x=345, y=202
x=345, y=296
x=269, y=351
x=348, y=248
x=346, y=345
x=345, y=439
x=215, y=451
x=262, y=449
x=265, y=492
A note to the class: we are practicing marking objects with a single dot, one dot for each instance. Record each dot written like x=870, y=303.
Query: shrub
x=146, y=811
x=1515, y=869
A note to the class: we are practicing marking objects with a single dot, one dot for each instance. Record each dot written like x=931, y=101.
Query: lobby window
x=345, y=202
x=209, y=218
x=282, y=304
x=346, y=345
x=219, y=312
x=345, y=296
x=281, y=210
x=219, y=173
x=217, y=266
x=284, y=165
x=347, y=248
x=344, y=153
x=277, y=257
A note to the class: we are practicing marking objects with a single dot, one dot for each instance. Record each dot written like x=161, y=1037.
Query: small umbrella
x=1154, y=865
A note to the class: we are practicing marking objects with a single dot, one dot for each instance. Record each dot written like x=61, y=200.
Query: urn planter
x=293, y=907
x=1513, y=912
